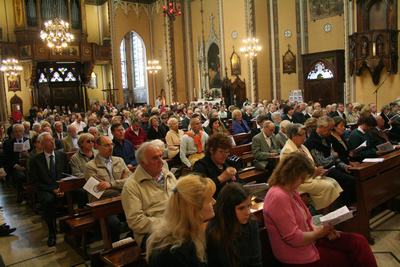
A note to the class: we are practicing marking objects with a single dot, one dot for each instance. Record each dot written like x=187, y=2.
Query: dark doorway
x=59, y=84
x=324, y=77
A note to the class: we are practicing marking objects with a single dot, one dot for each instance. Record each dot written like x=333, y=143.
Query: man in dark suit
x=185, y=121
x=14, y=160
x=46, y=169
x=339, y=112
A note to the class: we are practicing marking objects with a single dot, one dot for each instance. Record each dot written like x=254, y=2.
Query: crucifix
x=110, y=93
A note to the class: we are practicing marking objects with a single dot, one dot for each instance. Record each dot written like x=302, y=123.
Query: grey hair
x=294, y=129
x=324, y=121
x=42, y=136
x=275, y=114
x=26, y=123
x=171, y=120
x=36, y=125
x=146, y=145
x=70, y=127
x=17, y=125
x=284, y=124
x=267, y=123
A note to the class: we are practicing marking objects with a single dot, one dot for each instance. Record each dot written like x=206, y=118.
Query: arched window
x=133, y=60
x=320, y=72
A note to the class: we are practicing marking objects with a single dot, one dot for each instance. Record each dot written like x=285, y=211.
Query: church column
x=349, y=92
x=188, y=43
x=273, y=15
x=249, y=8
x=221, y=34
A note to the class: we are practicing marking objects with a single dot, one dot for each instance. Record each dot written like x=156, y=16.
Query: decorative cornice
x=137, y=8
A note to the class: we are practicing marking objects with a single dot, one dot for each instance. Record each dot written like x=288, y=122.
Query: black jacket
x=40, y=173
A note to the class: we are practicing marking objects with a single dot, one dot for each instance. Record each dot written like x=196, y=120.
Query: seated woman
x=322, y=190
x=155, y=131
x=232, y=235
x=173, y=138
x=214, y=165
x=339, y=143
x=295, y=240
x=238, y=124
x=215, y=126
x=83, y=156
x=179, y=240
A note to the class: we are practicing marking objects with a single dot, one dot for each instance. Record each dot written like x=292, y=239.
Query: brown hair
x=289, y=168
x=218, y=140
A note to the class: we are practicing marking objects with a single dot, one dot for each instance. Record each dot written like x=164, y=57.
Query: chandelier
x=250, y=47
x=172, y=9
x=11, y=67
x=56, y=34
x=153, y=66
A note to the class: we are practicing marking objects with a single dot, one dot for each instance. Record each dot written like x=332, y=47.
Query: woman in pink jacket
x=295, y=240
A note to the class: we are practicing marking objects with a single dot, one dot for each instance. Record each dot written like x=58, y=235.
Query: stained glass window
x=320, y=72
x=123, y=65
x=42, y=78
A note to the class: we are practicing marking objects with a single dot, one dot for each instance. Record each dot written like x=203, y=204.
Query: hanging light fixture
x=153, y=66
x=172, y=9
x=11, y=67
x=250, y=47
x=56, y=34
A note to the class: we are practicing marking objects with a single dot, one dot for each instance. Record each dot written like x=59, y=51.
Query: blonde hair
x=83, y=137
x=236, y=113
x=182, y=220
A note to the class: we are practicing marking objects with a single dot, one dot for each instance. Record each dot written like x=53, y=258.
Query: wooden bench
x=79, y=221
x=126, y=255
x=242, y=138
x=250, y=174
x=244, y=152
x=377, y=183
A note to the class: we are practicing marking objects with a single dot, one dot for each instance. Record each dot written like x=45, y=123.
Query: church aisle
x=27, y=245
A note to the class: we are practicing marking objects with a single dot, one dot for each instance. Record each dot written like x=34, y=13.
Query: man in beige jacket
x=145, y=194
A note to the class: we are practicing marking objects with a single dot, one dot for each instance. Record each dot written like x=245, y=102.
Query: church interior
x=128, y=54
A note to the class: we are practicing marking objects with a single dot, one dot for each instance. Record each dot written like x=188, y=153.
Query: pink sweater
x=287, y=218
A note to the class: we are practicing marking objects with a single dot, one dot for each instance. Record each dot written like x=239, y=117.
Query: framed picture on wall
x=14, y=83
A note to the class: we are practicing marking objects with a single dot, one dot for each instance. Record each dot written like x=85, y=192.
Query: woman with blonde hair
x=179, y=239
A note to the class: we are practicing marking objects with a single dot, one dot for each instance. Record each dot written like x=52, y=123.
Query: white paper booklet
x=19, y=147
x=385, y=147
x=364, y=144
x=91, y=187
x=337, y=216
x=373, y=160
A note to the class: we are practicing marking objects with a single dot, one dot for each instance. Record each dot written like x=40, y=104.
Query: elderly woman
x=83, y=156
x=155, y=131
x=173, y=138
x=294, y=239
x=214, y=164
x=322, y=190
x=239, y=125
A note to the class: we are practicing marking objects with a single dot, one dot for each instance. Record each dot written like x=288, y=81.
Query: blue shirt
x=125, y=151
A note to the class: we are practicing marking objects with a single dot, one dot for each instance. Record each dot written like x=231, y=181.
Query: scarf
x=196, y=139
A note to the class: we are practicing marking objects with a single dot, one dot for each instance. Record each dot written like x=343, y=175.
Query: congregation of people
x=183, y=199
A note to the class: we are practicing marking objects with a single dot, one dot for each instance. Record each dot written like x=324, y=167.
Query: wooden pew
x=126, y=255
x=244, y=152
x=242, y=138
x=377, y=183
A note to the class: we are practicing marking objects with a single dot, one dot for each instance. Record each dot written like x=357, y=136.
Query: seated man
x=46, y=169
x=123, y=148
x=135, y=134
x=281, y=136
x=112, y=174
x=193, y=143
x=264, y=147
x=359, y=136
x=146, y=192
x=58, y=135
x=323, y=155
x=12, y=159
x=378, y=135
x=71, y=140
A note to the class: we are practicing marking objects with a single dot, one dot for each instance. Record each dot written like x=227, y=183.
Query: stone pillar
x=188, y=44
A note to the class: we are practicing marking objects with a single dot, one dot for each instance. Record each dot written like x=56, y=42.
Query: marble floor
x=27, y=245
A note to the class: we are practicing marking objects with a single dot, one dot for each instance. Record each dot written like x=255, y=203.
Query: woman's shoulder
x=276, y=193
x=181, y=256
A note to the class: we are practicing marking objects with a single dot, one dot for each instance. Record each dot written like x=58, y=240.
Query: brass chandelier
x=56, y=34
x=11, y=67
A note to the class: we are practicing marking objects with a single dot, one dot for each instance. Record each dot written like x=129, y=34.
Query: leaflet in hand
x=20, y=147
x=337, y=216
x=385, y=147
x=360, y=147
x=373, y=160
x=91, y=187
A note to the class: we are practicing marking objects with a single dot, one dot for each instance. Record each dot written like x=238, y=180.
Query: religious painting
x=320, y=9
x=18, y=11
x=236, y=69
x=289, y=62
x=93, y=81
x=14, y=83
x=25, y=51
x=214, y=66
x=72, y=50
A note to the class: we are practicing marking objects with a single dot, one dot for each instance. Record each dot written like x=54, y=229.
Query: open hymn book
x=337, y=216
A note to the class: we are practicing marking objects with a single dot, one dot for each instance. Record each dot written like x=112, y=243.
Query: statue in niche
x=235, y=64
x=379, y=46
x=364, y=48
x=214, y=66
